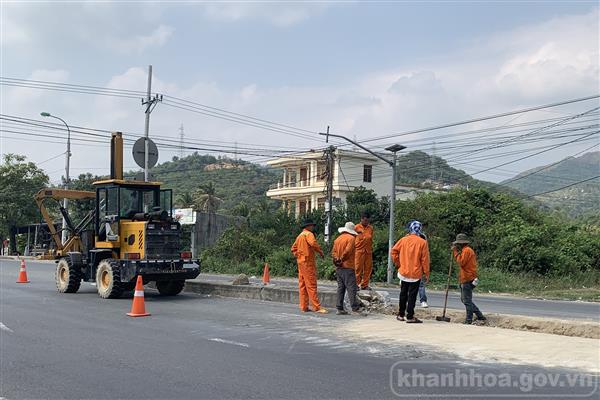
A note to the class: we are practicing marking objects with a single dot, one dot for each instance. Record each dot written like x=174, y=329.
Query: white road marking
x=219, y=340
x=7, y=329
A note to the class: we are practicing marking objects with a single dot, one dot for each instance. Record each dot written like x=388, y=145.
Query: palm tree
x=205, y=198
x=185, y=200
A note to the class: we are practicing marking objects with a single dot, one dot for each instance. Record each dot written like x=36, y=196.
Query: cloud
x=139, y=43
x=420, y=82
x=536, y=64
x=278, y=14
x=115, y=26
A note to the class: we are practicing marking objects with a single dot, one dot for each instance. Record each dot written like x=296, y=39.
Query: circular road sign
x=139, y=150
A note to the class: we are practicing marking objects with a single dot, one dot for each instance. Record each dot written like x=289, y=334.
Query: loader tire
x=170, y=288
x=67, y=276
x=108, y=279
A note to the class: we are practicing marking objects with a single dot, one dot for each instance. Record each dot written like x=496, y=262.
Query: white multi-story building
x=303, y=186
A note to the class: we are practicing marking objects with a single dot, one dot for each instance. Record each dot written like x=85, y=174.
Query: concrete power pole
x=393, y=149
x=330, y=157
x=150, y=103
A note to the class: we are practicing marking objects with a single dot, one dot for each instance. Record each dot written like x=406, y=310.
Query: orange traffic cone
x=22, y=273
x=138, y=309
x=266, y=275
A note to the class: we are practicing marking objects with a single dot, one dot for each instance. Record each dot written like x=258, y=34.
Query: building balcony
x=280, y=189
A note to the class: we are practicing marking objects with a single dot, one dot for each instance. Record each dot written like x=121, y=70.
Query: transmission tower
x=181, y=141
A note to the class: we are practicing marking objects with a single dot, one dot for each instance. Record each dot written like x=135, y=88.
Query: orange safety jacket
x=364, y=240
x=467, y=261
x=305, y=246
x=343, y=249
x=411, y=255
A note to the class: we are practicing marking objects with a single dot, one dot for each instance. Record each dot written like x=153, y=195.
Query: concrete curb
x=327, y=298
x=584, y=329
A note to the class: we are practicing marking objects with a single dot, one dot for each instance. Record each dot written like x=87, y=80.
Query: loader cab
x=119, y=201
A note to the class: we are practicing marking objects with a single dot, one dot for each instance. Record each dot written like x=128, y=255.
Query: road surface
x=72, y=346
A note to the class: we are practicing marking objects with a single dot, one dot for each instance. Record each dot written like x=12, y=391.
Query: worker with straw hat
x=467, y=275
x=343, y=253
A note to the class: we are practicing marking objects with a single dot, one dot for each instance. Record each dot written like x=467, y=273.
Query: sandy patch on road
x=481, y=343
x=566, y=327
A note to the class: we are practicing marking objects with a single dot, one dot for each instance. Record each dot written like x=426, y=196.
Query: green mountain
x=418, y=168
x=235, y=181
x=574, y=200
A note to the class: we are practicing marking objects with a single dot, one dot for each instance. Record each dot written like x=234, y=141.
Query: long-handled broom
x=443, y=317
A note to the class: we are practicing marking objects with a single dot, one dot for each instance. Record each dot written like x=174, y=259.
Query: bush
x=507, y=235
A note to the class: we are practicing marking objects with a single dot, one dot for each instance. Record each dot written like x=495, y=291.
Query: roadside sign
x=139, y=149
x=185, y=216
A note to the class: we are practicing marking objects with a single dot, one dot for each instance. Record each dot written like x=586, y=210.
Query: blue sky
x=366, y=69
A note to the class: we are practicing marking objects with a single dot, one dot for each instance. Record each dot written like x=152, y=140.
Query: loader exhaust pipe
x=116, y=156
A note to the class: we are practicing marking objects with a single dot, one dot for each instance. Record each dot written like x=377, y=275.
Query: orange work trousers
x=307, y=285
x=363, y=264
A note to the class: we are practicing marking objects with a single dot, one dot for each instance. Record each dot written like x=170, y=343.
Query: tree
x=19, y=182
x=205, y=198
x=78, y=209
x=362, y=200
x=185, y=200
x=241, y=210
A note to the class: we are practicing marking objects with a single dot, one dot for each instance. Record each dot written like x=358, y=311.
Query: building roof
x=313, y=155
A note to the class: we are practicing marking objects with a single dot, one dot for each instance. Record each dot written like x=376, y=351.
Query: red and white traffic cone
x=138, y=309
x=22, y=273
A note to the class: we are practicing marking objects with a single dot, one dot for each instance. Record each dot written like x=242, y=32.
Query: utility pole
x=330, y=165
x=329, y=154
x=150, y=103
x=394, y=149
x=181, y=141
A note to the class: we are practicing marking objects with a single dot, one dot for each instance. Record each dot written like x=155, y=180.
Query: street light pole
x=67, y=167
x=390, y=267
x=394, y=149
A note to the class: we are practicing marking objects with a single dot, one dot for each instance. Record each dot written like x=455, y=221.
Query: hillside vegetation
x=575, y=200
x=234, y=181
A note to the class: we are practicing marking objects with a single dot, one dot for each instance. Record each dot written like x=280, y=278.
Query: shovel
x=443, y=318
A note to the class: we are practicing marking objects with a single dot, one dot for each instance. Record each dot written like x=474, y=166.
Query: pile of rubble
x=372, y=300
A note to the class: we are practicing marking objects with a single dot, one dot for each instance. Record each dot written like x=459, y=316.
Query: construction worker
x=343, y=259
x=411, y=255
x=304, y=249
x=467, y=276
x=364, y=251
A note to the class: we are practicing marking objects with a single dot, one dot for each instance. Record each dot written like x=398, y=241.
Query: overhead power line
x=494, y=116
x=187, y=105
x=564, y=187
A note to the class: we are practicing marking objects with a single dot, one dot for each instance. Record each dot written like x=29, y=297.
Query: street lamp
x=394, y=149
x=67, y=159
x=390, y=268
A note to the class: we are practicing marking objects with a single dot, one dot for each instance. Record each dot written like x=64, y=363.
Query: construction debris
x=241, y=279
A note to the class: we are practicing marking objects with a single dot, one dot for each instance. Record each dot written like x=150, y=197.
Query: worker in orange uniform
x=411, y=255
x=363, y=259
x=467, y=276
x=304, y=249
x=343, y=259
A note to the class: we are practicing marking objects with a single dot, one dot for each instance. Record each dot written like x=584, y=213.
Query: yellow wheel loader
x=133, y=234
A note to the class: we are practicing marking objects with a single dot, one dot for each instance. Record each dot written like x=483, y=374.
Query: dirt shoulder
x=481, y=343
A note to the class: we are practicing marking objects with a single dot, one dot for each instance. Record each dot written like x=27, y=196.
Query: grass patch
x=579, y=286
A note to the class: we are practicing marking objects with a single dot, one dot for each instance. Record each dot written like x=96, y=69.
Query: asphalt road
x=494, y=304
x=73, y=346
